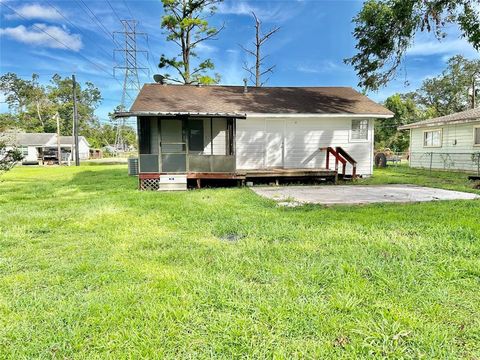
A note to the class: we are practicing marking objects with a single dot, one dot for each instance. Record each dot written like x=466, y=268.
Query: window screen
x=477, y=135
x=432, y=138
x=359, y=129
x=195, y=135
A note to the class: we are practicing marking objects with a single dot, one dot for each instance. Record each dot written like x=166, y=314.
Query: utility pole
x=130, y=66
x=75, y=122
x=474, y=92
x=59, y=149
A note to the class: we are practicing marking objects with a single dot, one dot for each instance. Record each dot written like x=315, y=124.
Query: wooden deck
x=264, y=173
x=289, y=173
x=242, y=176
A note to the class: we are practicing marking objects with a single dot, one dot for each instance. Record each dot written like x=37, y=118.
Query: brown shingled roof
x=215, y=99
x=471, y=115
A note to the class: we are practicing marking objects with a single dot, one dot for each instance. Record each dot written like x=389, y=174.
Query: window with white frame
x=359, y=130
x=476, y=136
x=432, y=138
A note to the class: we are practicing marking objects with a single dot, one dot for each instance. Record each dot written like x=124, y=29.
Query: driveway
x=358, y=194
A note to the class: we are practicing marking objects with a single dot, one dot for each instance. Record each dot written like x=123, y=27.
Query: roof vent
x=245, y=87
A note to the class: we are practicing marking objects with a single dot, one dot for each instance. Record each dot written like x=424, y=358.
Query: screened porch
x=186, y=144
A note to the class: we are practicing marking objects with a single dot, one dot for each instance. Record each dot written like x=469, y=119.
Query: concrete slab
x=359, y=194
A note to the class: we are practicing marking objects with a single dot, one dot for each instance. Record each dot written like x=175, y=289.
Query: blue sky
x=309, y=49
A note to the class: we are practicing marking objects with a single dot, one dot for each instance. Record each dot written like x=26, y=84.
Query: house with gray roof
x=450, y=142
x=240, y=132
x=34, y=146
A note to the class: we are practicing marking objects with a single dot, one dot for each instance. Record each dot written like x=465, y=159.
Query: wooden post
x=59, y=149
x=75, y=122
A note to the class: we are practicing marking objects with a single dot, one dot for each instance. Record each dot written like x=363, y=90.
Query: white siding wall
x=32, y=154
x=83, y=150
x=302, y=139
x=455, y=152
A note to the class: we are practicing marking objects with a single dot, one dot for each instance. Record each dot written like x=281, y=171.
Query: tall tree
x=450, y=92
x=406, y=111
x=33, y=106
x=256, y=71
x=385, y=29
x=88, y=99
x=185, y=23
x=27, y=99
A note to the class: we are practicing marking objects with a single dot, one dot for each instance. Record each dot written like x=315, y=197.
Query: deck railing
x=341, y=156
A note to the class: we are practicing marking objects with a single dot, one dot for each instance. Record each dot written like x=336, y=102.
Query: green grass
x=90, y=268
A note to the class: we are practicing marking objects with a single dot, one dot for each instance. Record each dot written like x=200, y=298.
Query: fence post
x=431, y=161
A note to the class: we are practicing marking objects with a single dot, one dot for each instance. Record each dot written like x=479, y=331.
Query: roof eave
x=437, y=123
x=347, y=115
x=171, y=113
x=243, y=116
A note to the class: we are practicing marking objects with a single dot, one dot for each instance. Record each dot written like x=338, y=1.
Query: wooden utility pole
x=256, y=71
x=75, y=122
x=474, y=92
x=59, y=149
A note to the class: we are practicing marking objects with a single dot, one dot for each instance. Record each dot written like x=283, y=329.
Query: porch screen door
x=173, y=145
x=274, y=143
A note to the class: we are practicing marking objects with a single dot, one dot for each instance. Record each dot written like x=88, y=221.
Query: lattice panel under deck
x=149, y=184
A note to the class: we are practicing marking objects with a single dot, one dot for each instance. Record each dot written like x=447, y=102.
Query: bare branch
x=269, y=70
x=247, y=50
x=209, y=37
x=260, y=39
x=268, y=35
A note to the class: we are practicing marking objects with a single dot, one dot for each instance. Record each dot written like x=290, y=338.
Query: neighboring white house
x=34, y=145
x=233, y=131
x=449, y=142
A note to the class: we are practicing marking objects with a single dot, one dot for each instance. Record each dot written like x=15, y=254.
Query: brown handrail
x=350, y=159
x=340, y=156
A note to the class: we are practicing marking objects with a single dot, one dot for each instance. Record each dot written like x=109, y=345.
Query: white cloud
x=268, y=13
x=204, y=48
x=446, y=46
x=38, y=35
x=321, y=67
x=236, y=8
x=35, y=11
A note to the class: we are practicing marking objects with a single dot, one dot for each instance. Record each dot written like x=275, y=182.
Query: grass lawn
x=91, y=268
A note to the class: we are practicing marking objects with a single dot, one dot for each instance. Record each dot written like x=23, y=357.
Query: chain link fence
x=466, y=161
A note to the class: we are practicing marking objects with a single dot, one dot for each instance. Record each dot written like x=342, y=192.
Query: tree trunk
x=39, y=115
x=257, y=60
x=186, y=58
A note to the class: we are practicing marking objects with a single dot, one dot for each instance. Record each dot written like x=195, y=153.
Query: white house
x=237, y=132
x=35, y=145
x=449, y=142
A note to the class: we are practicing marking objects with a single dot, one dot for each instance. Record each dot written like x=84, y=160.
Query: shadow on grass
x=110, y=179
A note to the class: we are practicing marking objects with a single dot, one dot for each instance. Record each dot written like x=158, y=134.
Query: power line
x=62, y=43
x=95, y=18
x=128, y=9
x=111, y=7
x=152, y=67
x=76, y=27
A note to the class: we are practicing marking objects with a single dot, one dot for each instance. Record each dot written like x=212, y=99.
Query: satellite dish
x=160, y=79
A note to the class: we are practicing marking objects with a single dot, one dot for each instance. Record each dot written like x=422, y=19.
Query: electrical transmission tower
x=130, y=66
